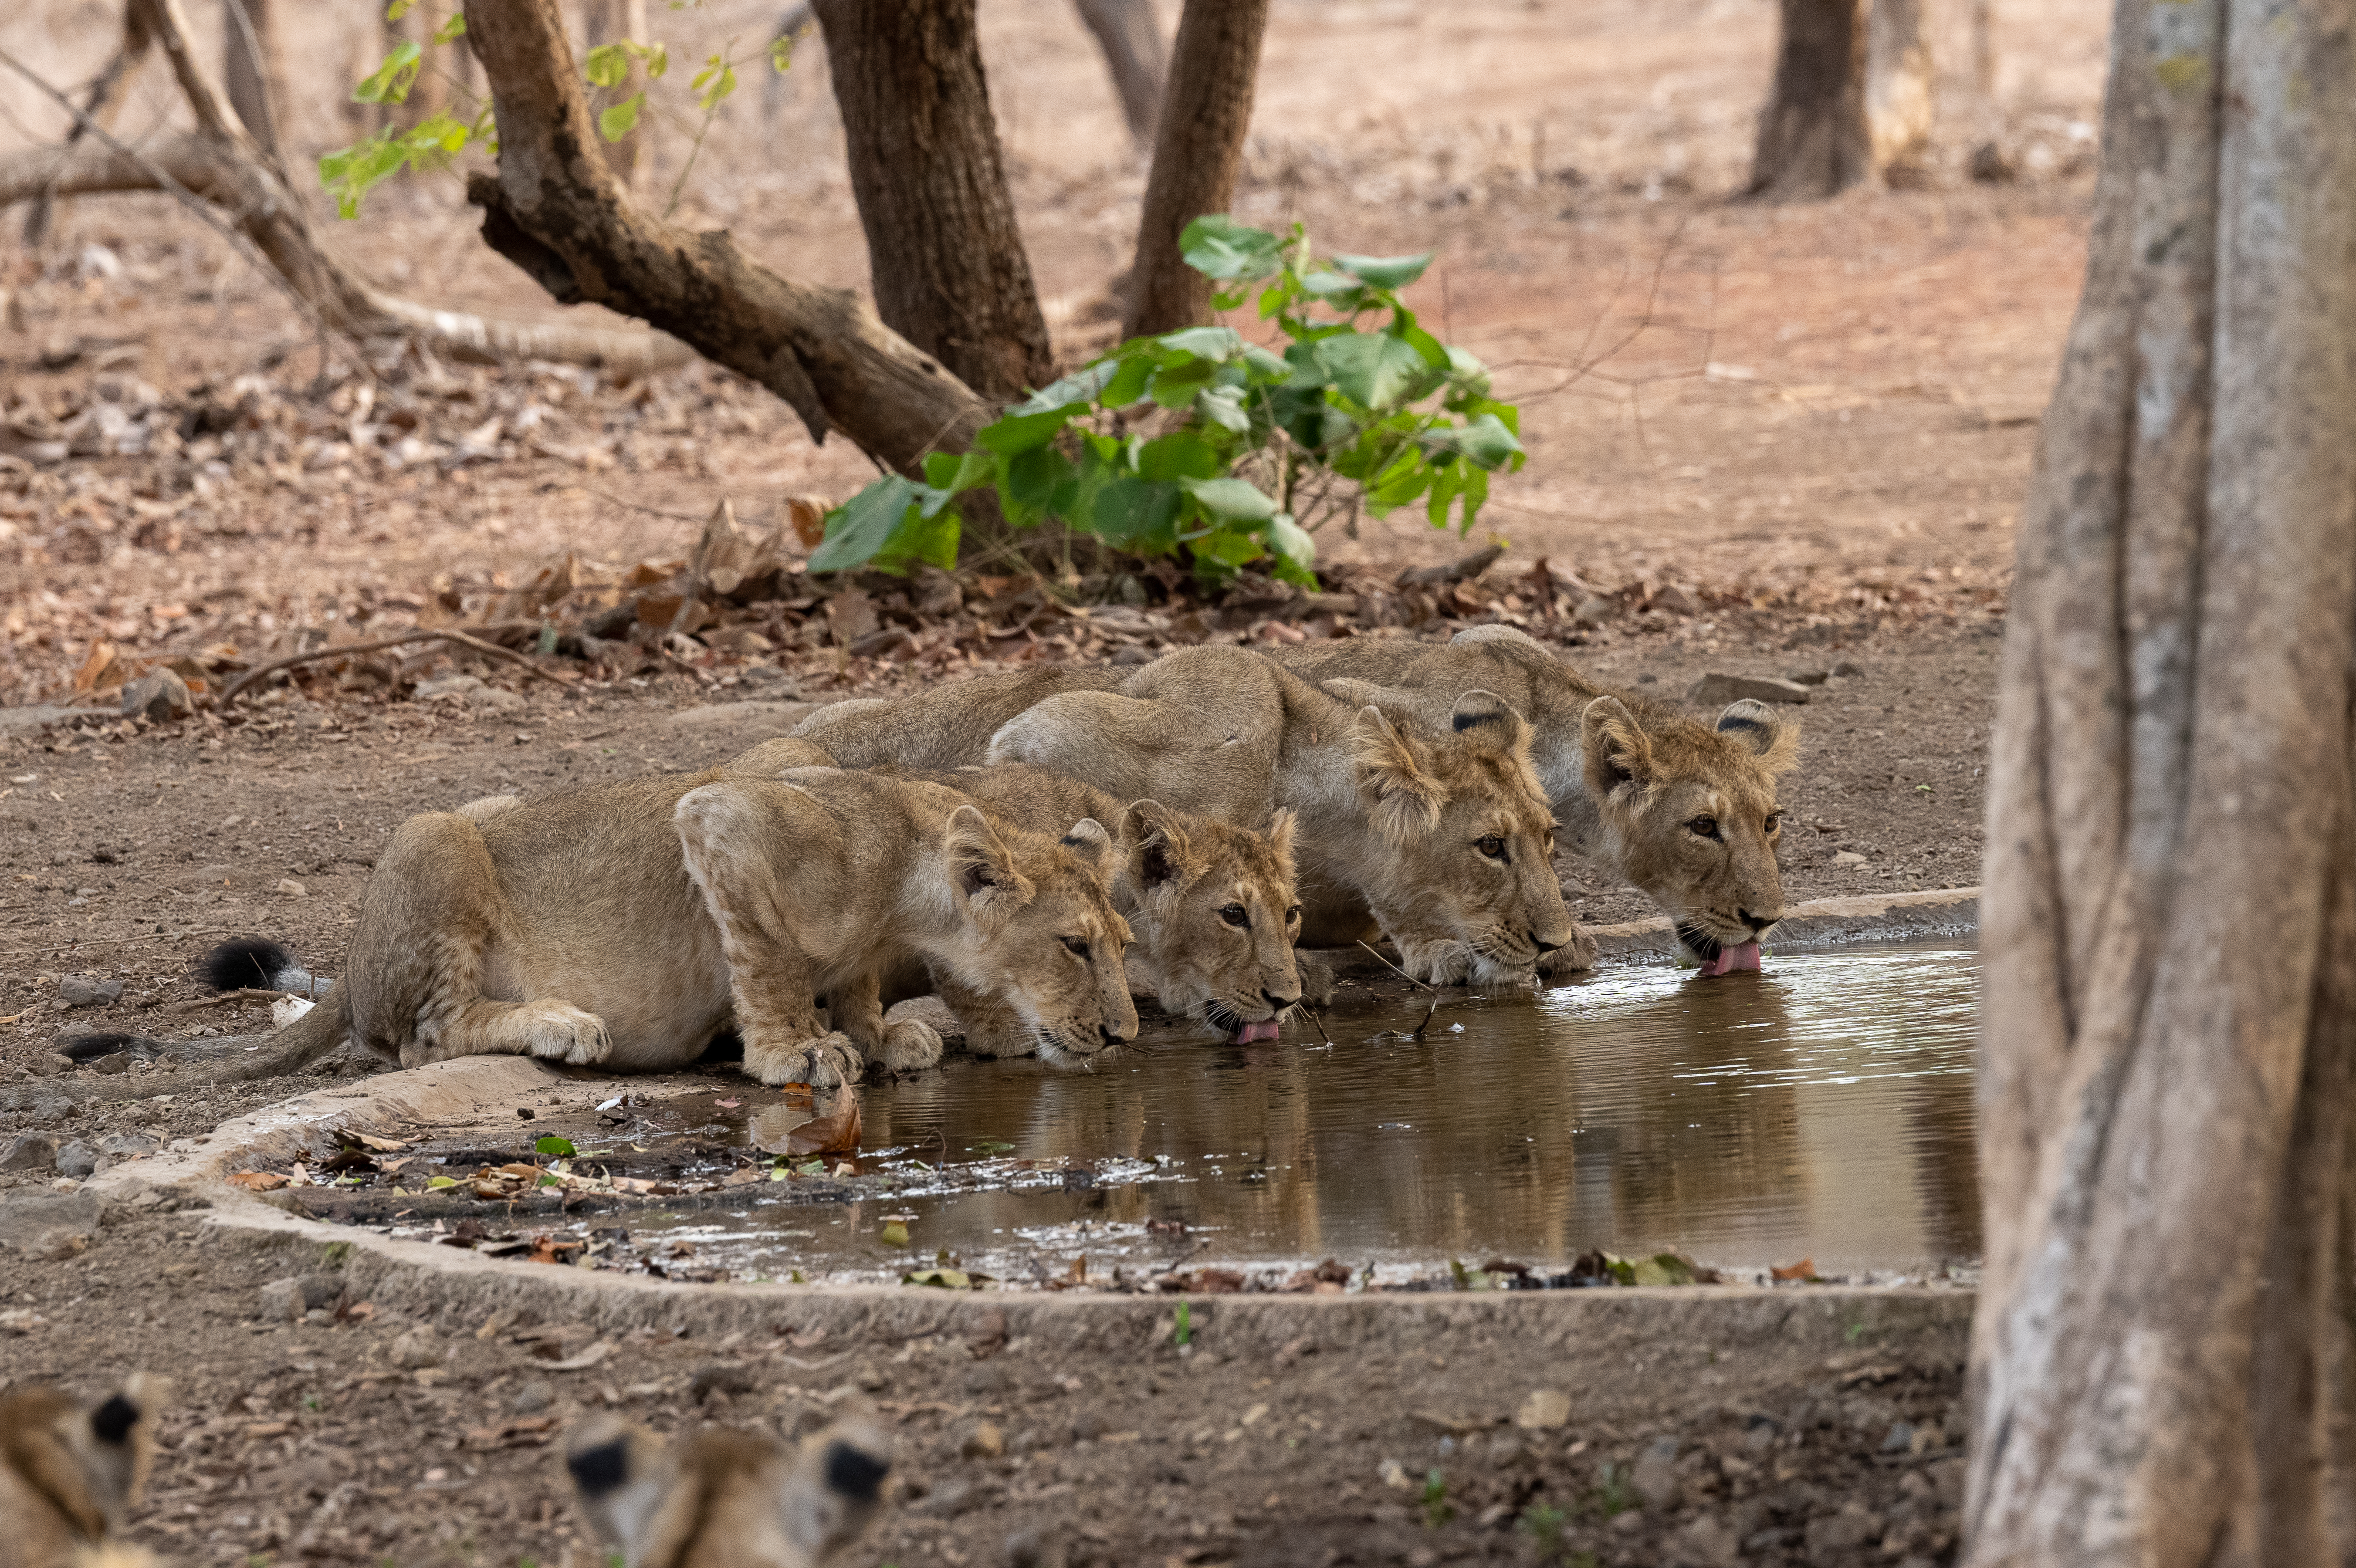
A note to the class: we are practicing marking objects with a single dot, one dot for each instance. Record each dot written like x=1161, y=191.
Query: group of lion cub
x=1004, y=840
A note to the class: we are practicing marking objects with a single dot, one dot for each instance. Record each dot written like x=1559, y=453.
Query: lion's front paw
x=821, y=1062
x=1576, y=957
x=911, y=1044
x=562, y=1032
x=999, y=1037
x=1440, y=962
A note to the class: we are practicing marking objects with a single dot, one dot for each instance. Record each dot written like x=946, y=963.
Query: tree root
x=345, y=650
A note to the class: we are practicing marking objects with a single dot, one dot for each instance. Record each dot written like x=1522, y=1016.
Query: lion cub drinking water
x=625, y=925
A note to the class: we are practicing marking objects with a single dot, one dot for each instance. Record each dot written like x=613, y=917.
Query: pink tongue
x=1743, y=955
x=1265, y=1030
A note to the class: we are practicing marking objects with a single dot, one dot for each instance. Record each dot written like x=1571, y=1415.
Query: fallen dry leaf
x=834, y=1132
x=257, y=1180
x=381, y=1146
x=586, y=1359
x=727, y=1104
x=1805, y=1269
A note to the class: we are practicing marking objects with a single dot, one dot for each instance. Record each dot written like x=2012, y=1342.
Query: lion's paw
x=1576, y=957
x=994, y=1037
x=562, y=1032
x=1445, y=962
x=910, y=1044
x=821, y=1062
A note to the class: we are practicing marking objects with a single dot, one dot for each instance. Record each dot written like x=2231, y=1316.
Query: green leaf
x=440, y=1183
x=608, y=65
x=927, y=532
x=1293, y=549
x=722, y=78
x=1226, y=548
x=951, y=472
x=1265, y=366
x=1218, y=247
x=1181, y=455
x=437, y=136
x=939, y=1278
x=1175, y=386
x=1138, y=513
x=858, y=530
x=397, y=9
x=552, y=1144
x=1216, y=343
x=658, y=59
x=390, y=82
x=1127, y=384
x=1484, y=440
x=1223, y=407
x=1233, y=500
x=1020, y=432
x=1385, y=272
x=453, y=29
x=351, y=173
x=621, y=118
x=1034, y=483
x=1434, y=352
x=1373, y=369
x=781, y=53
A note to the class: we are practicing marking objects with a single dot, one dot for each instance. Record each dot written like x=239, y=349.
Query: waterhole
x=1819, y=1110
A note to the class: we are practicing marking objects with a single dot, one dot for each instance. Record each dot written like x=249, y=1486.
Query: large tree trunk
x=1813, y=138
x=2162, y=1359
x=101, y=106
x=1899, y=88
x=949, y=272
x=609, y=22
x=556, y=210
x=250, y=70
x=1131, y=41
x=1198, y=149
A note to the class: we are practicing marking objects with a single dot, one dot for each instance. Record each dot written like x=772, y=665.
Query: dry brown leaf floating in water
x=837, y=1132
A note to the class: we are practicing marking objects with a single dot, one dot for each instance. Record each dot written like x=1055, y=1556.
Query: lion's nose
x=1542, y=944
x=1280, y=1003
x=1759, y=922
x=1113, y=1035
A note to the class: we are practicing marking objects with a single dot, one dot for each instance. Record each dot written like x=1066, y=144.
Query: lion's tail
x=296, y=1046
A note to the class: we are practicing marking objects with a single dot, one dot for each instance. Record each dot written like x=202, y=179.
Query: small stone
x=158, y=696
x=491, y=700
x=128, y=1145
x=1848, y=858
x=449, y=685
x=950, y=1500
x=287, y=886
x=1035, y=1546
x=1707, y=1543
x=534, y=1397
x=1593, y=611
x=1718, y=689
x=318, y=1318
x=1807, y=677
x=89, y=990
x=119, y=1062
x=1504, y=1448
x=984, y=1442
x=1849, y=667
x=284, y=1300
x=58, y=1244
x=1847, y=1530
x=1087, y=1426
x=1544, y=1410
x=1654, y=1476
x=30, y=1151
x=1900, y=1438
x=417, y=1350
x=1677, y=601
x=77, y=1159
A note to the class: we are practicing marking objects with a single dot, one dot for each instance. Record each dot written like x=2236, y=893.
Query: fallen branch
x=345, y=650
x=217, y=166
x=249, y=994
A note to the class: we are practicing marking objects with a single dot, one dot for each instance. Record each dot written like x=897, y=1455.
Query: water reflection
x=1820, y=1109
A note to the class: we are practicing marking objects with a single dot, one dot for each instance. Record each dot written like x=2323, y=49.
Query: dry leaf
x=586, y=1359
x=1805, y=1269
x=257, y=1180
x=834, y=1132
x=383, y=1146
x=807, y=515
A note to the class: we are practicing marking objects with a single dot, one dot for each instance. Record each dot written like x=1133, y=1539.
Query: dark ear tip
x=111, y=1423
x=599, y=1470
x=853, y=1473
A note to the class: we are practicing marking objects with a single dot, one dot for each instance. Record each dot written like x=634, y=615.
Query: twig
x=1397, y=970
x=1320, y=1026
x=247, y=994
x=1417, y=1032
x=345, y=650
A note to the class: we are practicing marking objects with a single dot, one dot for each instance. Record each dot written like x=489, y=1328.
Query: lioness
x=1213, y=906
x=728, y=1500
x=624, y=926
x=1680, y=809
x=1439, y=839
x=68, y=1472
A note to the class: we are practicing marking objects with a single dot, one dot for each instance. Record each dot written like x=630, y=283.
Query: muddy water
x=1821, y=1109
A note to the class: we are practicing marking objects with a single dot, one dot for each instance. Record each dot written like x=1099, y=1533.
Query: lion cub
x=69, y=1471
x=626, y=924
x=729, y=1499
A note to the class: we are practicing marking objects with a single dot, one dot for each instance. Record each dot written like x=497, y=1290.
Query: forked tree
x=2162, y=1359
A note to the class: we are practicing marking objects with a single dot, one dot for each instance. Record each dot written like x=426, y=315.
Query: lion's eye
x=1774, y=822
x=1078, y=946
x=1492, y=846
x=1292, y=915
x=1237, y=916
x=1706, y=827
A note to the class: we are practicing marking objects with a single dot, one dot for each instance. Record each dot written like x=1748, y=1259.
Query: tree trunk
x=1198, y=150
x=556, y=210
x=1131, y=41
x=1984, y=50
x=609, y=22
x=250, y=70
x=947, y=258
x=100, y=107
x=2162, y=1358
x=1813, y=139
x=1899, y=89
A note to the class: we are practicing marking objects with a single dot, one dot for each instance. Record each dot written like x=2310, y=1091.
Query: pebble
x=125, y=1146
x=284, y=1300
x=1676, y=601
x=1718, y=689
x=448, y=686
x=77, y=1158
x=1707, y=1543
x=1807, y=677
x=158, y=696
x=89, y=990
x=287, y=886
x=984, y=1442
x=534, y=1397
x=1593, y=611
x=417, y=1350
x=1655, y=1478
x=1035, y=1546
x=1848, y=858
x=1849, y=667
x=1544, y=1410
x=30, y=1151
x=1847, y=1530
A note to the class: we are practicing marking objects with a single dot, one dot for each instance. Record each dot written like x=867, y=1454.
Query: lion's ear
x=1407, y=798
x=1158, y=849
x=1280, y=836
x=1614, y=747
x=1486, y=721
x=1089, y=841
x=1777, y=740
x=981, y=866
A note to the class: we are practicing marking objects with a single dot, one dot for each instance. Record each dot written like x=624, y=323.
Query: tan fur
x=70, y=1471
x=625, y=925
x=729, y=1499
x=943, y=727
x=1213, y=906
x=1387, y=825
x=1626, y=775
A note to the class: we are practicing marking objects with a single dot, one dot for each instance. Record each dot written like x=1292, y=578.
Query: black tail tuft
x=244, y=962
x=90, y=1047
x=853, y=1474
